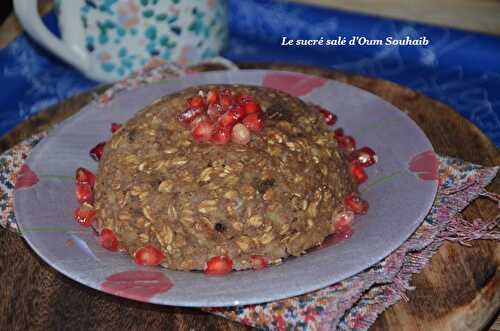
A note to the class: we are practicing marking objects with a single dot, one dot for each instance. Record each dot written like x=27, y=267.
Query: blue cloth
x=458, y=68
x=32, y=79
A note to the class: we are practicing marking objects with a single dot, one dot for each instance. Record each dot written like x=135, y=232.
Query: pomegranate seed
x=214, y=111
x=330, y=118
x=149, y=255
x=354, y=203
x=203, y=131
x=237, y=112
x=97, y=151
x=189, y=115
x=221, y=135
x=344, y=219
x=84, y=176
x=231, y=117
x=85, y=215
x=84, y=193
x=226, y=101
x=213, y=96
x=342, y=225
x=226, y=120
x=198, y=120
x=196, y=101
x=227, y=92
x=364, y=156
x=252, y=107
x=347, y=143
x=338, y=133
x=218, y=265
x=109, y=240
x=244, y=99
x=258, y=262
x=115, y=127
x=358, y=173
x=240, y=134
x=254, y=122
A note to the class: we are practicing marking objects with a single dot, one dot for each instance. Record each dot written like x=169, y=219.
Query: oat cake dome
x=274, y=196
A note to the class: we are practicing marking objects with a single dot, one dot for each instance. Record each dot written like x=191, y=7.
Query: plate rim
x=290, y=292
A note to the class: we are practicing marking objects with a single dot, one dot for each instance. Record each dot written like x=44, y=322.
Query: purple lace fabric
x=352, y=304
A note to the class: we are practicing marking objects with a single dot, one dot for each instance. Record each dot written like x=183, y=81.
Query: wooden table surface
x=458, y=290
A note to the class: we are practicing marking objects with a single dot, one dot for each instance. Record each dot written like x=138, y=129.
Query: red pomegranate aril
x=214, y=111
x=226, y=101
x=221, y=135
x=343, y=219
x=85, y=215
x=226, y=120
x=330, y=118
x=218, y=265
x=258, y=262
x=354, y=203
x=243, y=99
x=364, y=156
x=342, y=226
x=108, y=240
x=253, y=122
x=237, y=112
x=198, y=120
x=231, y=117
x=240, y=134
x=213, y=118
x=213, y=96
x=252, y=107
x=196, y=101
x=347, y=143
x=149, y=256
x=84, y=176
x=338, y=133
x=226, y=92
x=97, y=152
x=189, y=115
x=84, y=193
x=115, y=127
x=203, y=131
x=358, y=173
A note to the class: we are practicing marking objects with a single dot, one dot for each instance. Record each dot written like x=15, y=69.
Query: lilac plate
x=400, y=190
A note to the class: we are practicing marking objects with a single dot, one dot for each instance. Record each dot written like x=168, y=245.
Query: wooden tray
x=458, y=290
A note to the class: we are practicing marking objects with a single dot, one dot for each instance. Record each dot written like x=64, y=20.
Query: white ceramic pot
x=109, y=39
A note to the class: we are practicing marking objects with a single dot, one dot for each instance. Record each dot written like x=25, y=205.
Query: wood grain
x=458, y=290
